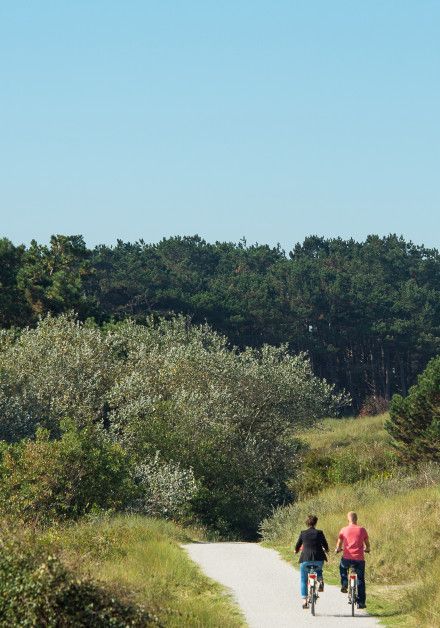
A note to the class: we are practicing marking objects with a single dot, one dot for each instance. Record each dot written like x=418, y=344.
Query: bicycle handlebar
x=367, y=551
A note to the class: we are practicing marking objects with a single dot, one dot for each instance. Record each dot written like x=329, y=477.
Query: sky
x=270, y=120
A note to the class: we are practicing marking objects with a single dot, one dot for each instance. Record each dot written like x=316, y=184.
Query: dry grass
x=343, y=451
x=351, y=432
x=144, y=556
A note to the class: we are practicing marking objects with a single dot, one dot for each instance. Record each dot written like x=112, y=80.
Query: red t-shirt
x=353, y=538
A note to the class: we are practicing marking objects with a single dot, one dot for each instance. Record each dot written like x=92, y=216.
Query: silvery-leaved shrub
x=165, y=489
x=232, y=416
x=61, y=368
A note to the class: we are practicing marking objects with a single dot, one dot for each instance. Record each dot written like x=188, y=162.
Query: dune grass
x=144, y=556
x=401, y=513
x=351, y=432
x=343, y=451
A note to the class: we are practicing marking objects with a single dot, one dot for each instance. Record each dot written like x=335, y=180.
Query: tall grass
x=343, y=451
x=353, y=432
x=144, y=556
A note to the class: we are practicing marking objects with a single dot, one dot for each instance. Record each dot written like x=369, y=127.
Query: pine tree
x=415, y=420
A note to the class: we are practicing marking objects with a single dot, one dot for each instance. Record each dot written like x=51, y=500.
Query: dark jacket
x=314, y=545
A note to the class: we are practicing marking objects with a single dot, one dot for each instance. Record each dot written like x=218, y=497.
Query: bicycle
x=352, y=589
x=312, y=588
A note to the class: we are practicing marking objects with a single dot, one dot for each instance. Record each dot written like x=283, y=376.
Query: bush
x=37, y=590
x=171, y=387
x=44, y=480
x=373, y=405
x=165, y=489
x=415, y=420
x=61, y=368
x=230, y=416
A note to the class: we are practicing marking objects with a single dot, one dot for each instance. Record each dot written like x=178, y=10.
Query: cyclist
x=354, y=540
x=314, y=546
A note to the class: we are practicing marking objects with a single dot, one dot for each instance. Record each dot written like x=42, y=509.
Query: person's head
x=311, y=521
x=352, y=517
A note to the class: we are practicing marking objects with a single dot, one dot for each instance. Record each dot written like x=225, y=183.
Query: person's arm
x=324, y=542
x=339, y=544
x=298, y=543
x=367, y=542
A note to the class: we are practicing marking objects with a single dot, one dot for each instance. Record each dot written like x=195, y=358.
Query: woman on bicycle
x=313, y=546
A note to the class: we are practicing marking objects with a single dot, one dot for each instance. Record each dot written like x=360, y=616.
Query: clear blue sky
x=265, y=119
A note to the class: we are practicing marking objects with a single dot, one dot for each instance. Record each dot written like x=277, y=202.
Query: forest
x=367, y=313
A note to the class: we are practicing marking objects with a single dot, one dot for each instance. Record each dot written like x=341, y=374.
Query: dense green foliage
x=47, y=480
x=415, y=420
x=226, y=421
x=36, y=589
x=368, y=313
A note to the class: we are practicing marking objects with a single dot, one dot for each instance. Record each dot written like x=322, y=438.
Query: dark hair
x=311, y=520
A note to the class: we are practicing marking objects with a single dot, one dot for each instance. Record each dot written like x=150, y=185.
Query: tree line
x=367, y=313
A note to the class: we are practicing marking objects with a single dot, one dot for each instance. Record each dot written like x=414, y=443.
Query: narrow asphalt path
x=267, y=588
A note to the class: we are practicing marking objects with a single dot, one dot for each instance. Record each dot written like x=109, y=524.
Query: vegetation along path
x=267, y=588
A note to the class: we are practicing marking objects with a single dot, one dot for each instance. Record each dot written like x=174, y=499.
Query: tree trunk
x=387, y=376
x=402, y=375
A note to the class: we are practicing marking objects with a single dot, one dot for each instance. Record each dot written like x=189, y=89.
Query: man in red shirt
x=354, y=540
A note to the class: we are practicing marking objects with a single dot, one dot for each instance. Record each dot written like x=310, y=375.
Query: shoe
x=362, y=606
x=344, y=590
x=321, y=587
x=305, y=605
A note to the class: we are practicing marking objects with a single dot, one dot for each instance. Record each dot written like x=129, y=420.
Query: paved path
x=267, y=588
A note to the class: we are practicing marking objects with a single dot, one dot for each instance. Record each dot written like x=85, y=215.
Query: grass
x=352, y=432
x=401, y=513
x=145, y=557
x=343, y=451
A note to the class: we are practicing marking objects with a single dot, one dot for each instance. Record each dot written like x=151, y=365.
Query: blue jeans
x=359, y=567
x=304, y=571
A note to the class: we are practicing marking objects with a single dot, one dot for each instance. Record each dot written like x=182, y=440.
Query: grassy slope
x=356, y=433
x=144, y=556
x=401, y=516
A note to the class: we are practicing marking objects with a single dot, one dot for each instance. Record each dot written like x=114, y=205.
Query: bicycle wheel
x=312, y=605
x=353, y=602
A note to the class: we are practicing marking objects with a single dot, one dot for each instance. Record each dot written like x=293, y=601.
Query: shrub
x=44, y=480
x=230, y=416
x=415, y=420
x=37, y=590
x=172, y=387
x=61, y=368
x=374, y=404
x=165, y=489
